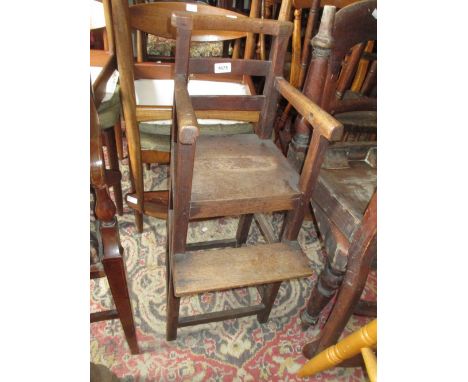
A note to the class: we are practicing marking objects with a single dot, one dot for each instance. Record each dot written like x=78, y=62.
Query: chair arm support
x=188, y=130
x=328, y=126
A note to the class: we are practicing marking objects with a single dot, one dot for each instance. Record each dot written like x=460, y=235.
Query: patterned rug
x=233, y=350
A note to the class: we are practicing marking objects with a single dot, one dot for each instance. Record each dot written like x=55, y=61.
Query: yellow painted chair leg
x=362, y=69
x=345, y=349
x=370, y=360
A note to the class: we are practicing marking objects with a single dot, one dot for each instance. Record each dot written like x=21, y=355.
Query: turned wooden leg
x=269, y=295
x=115, y=272
x=361, y=253
x=109, y=141
x=172, y=318
x=119, y=139
x=243, y=229
x=327, y=284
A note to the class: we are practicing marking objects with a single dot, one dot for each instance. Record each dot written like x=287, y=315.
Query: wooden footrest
x=229, y=268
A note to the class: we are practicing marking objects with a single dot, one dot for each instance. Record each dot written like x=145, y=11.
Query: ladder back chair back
x=107, y=261
x=147, y=94
x=214, y=176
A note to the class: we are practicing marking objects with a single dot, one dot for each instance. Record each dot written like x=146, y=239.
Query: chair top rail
x=154, y=18
x=196, y=21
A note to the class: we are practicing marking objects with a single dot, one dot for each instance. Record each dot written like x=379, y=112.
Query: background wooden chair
x=106, y=252
x=330, y=46
x=213, y=176
x=354, y=70
x=361, y=341
x=147, y=90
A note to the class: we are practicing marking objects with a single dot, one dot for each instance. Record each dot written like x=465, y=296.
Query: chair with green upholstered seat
x=147, y=90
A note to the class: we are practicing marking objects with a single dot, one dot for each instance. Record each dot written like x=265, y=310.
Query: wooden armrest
x=328, y=126
x=186, y=119
x=197, y=21
x=99, y=86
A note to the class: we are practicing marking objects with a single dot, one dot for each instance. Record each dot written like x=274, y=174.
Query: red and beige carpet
x=234, y=350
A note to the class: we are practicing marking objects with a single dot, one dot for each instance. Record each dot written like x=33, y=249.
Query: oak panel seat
x=205, y=271
x=241, y=173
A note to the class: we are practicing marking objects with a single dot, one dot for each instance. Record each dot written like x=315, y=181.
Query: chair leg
x=245, y=221
x=109, y=141
x=138, y=221
x=119, y=139
x=327, y=284
x=268, y=299
x=115, y=272
x=138, y=215
x=172, y=313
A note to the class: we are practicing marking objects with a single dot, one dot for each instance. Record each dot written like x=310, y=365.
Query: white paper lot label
x=191, y=7
x=224, y=67
x=132, y=199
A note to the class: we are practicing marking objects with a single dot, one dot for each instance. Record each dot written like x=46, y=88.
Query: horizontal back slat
x=197, y=22
x=155, y=18
x=161, y=113
x=220, y=102
x=212, y=65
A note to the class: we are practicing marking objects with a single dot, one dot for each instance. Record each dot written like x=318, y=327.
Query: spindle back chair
x=337, y=34
x=300, y=53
